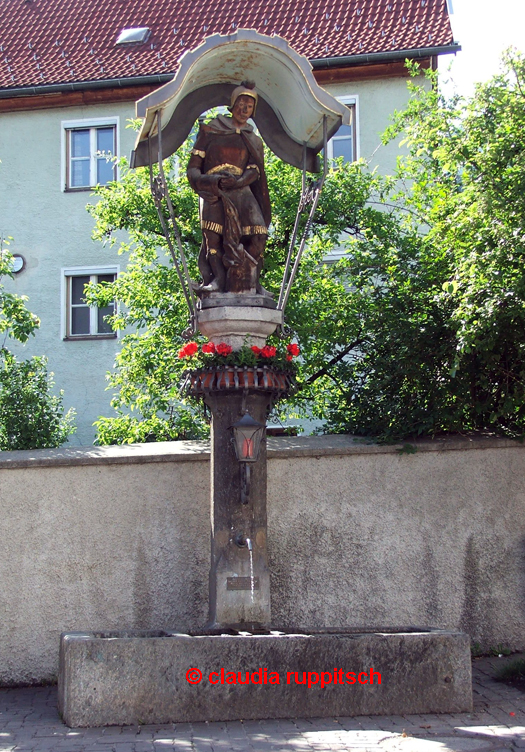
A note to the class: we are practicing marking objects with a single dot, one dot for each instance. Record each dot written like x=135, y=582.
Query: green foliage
x=148, y=370
x=500, y=650
x=16, y=321
x=476, y=650
x=418, y=329
x=443, y=297
x=512, y=671
x=31, y=417
x=127, y=429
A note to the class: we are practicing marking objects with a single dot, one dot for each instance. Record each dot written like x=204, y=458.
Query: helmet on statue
x=246, y=89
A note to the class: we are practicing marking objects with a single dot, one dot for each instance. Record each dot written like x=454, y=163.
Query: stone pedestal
x=238, y=325
x=239, y=578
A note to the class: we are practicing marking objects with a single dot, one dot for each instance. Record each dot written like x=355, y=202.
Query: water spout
x=242, y=541
x=252, y=580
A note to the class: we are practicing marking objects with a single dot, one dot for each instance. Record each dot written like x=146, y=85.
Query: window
x=89, y=147
x=82, y=321
x=345, y=142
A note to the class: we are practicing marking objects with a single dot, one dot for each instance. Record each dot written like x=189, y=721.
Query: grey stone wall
x=359, y=535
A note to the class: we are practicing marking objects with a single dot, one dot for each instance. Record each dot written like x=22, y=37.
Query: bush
x=127, y=429
x=31, y=416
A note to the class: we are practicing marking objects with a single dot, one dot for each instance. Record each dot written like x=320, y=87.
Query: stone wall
x=359, y=535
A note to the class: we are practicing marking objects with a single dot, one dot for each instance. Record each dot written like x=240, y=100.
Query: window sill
x=77, y=337
x=84, y=188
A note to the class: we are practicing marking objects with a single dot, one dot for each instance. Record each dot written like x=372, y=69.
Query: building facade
x=67, y=91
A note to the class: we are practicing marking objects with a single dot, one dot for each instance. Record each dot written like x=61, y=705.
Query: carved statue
x=226, y=169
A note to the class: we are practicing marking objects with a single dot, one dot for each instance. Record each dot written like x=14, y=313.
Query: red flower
x=188, y=350
x=289, y=357
x=255, y=349
x=224, y=349
x=268, y=351
x=209, y=347
x=293, y=349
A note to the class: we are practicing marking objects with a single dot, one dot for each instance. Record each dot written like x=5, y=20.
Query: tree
x=445, y=312
x=148, y=370
x=418, y=329
x=31, y=417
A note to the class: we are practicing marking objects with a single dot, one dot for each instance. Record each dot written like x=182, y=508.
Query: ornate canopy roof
x=290, y=113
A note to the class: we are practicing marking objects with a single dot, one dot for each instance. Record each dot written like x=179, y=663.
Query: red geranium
x=268, y=351
x=293, y=349
x=224, y=349
x=188, y=350
x=289, y=357
x=255, y=349
x=209, y=347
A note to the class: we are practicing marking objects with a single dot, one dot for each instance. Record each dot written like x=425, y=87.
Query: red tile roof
x=46, y=42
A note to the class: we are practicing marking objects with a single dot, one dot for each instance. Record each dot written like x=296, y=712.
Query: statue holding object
x=226, y=170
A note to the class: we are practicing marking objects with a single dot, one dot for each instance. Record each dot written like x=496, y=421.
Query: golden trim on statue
x=225, y=168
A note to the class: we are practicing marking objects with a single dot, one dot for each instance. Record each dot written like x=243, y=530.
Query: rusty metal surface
x=228, y=378
x=291, y=108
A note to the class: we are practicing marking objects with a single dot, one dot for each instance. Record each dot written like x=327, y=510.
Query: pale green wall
x=51, y=229
x=378, y=100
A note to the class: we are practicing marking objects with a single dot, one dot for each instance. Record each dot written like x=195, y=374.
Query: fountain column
x=239, y=576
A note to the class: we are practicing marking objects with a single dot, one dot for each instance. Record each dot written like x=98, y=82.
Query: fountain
x=159, y=677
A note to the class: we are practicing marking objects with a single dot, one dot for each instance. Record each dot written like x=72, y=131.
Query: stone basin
x=130, y=677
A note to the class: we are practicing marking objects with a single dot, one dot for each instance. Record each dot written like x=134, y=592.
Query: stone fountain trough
x=135, y=677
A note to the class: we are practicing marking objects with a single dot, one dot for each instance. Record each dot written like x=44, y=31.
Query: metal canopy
x=291, y=108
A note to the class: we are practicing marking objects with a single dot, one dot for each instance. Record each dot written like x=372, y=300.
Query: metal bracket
x=309, y=197
x=160, y=193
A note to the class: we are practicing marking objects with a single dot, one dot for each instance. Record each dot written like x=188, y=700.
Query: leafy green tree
x=148, y=370
x=31, y=417
x=417, y=330
x=16, y=321
x=444, y=307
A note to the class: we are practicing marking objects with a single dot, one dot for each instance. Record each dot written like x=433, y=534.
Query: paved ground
x=29, y=723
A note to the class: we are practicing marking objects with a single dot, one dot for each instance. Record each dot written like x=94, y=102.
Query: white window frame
x=65, y=317
x=77, y=125
x=349, y=99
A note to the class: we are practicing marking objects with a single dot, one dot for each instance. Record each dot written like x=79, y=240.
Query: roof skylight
x=135, y=35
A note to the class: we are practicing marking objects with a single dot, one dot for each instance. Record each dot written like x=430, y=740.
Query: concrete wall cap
x=278, y=448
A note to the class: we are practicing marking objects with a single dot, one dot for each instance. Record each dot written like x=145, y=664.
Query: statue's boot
x=259, y=289
x=262, y=291
x=218, y=279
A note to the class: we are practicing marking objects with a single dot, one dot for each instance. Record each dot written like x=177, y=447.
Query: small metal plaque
x=220, y=299
x=241, y=583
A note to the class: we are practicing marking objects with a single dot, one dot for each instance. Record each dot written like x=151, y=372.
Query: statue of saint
x=226, y=169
